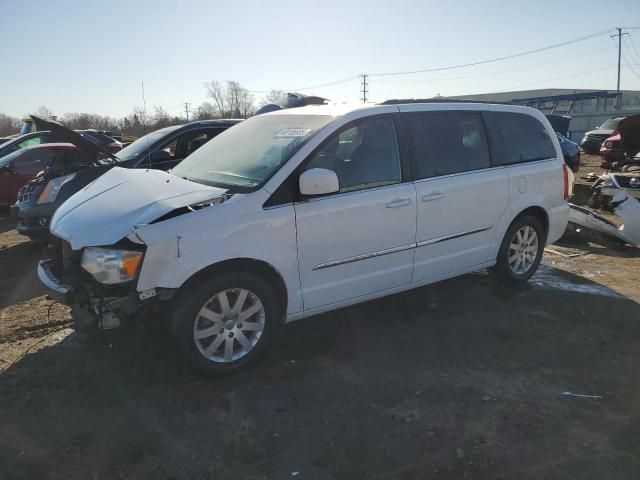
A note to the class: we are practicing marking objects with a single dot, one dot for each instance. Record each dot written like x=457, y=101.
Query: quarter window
x=363, y=156
x=447, y=142
x=518, y=138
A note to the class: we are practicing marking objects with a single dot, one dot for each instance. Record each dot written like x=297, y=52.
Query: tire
x=514, y=272
x=200, y=311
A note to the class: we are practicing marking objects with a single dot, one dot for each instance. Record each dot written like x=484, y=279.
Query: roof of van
x=340, y=109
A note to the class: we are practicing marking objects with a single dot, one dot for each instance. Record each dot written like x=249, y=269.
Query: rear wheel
x=227, y=322
x=521, y=250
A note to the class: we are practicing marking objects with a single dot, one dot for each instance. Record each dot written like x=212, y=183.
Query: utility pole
x=365, y=89
x=619, y=35
x=186, y=109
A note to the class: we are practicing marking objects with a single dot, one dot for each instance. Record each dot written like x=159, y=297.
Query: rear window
x=518, y=138
x=447, y=142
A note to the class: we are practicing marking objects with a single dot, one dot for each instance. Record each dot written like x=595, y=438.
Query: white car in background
x=301, y=211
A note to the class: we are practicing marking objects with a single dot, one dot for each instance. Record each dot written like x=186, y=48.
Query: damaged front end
x=99, y=283
x=94, y=262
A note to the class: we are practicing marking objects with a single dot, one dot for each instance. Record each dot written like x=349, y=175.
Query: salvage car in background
x=22, y=141
x=291, y=100
x=20, y=166
x=305, y=210
x=570, y=150
x=625, y=172
x=162, y=149
x=592, y=140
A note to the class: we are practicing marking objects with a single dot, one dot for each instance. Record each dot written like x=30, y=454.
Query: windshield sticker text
x=292, y=132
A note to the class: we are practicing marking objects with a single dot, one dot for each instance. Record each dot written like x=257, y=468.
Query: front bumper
x=46, y=276
x=591, y=146
x=33, y=220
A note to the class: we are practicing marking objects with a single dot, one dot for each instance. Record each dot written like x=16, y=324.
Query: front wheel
x=521, y=250
x=226, y=322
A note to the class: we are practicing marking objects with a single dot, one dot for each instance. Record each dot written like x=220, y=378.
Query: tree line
x=224, y=100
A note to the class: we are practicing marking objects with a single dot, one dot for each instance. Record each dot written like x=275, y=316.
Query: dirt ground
x=459, y=380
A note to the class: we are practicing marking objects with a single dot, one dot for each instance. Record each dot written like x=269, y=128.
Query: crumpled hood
x=105, y=211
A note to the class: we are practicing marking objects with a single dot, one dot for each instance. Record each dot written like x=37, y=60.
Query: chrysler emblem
x=635, y=182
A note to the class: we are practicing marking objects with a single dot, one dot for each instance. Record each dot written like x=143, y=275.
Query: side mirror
x=159, y=156
x=318, y=181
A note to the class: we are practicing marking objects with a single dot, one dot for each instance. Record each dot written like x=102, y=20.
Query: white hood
x=105, y=211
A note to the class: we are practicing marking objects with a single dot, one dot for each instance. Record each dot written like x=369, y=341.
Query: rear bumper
x=558, y=219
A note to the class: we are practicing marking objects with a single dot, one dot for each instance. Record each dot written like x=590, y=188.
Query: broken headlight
x=111, y=266
x=52, y=189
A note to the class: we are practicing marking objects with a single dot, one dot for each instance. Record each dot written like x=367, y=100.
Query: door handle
x=430, y=197
x=399, y=202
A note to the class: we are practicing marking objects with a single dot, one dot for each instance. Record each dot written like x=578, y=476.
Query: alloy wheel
x=523, y=250
x=229, y=325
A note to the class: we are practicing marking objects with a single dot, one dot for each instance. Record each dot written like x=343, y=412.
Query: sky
x=92, y=56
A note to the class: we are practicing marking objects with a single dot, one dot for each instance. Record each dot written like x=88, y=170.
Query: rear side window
x=518, y=138
x=444, y=143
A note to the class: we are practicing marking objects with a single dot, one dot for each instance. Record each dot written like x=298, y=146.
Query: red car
x=611, y=150
x=17, y=168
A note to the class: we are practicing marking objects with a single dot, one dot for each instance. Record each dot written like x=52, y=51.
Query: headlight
x=50, y=192
x=111, y=266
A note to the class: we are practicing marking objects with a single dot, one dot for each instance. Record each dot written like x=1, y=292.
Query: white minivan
x=301, y=211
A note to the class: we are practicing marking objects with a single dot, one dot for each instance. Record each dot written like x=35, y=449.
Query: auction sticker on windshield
x=292, y=132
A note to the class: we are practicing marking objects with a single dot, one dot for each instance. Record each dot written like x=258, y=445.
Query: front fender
x=183, y=246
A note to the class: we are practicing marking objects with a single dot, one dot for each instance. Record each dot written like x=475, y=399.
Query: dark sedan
x=162, y=149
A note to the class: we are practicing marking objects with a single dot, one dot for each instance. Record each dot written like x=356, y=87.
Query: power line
x=498, y=59
x=553, y=79
x=492, y=73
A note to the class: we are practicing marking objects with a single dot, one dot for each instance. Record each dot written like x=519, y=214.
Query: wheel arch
x=537, y=212
x=259, y=267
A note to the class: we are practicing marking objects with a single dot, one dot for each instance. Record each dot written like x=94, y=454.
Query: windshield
x=248, y=154
x=610, y=124
x=7, y=159
x=141, y=146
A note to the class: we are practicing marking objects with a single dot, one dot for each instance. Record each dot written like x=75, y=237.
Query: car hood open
x=106, y=210
x=629, y=129
x=93, y=150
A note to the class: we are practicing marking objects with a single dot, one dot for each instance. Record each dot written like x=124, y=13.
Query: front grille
x=613, y=144
x=597, y=137
x=27, y=192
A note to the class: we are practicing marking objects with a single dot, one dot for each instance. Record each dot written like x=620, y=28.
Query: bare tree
x=206, y=111
x=272, y=96
x=230, y=101
x=44, y=112
x=161, y=118
x=216, y=92
x=8, y=125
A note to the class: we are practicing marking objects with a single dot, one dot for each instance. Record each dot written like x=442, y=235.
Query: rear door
x=525, y=147
x=461, y=195
x=360, y=240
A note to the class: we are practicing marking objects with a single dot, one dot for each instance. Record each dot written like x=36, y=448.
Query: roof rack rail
x=438, y=100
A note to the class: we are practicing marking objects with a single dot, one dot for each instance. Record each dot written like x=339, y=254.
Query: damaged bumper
x=46, y=276
x=94, y=304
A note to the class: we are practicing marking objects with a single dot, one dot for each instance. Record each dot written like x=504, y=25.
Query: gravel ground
x=463, y=379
